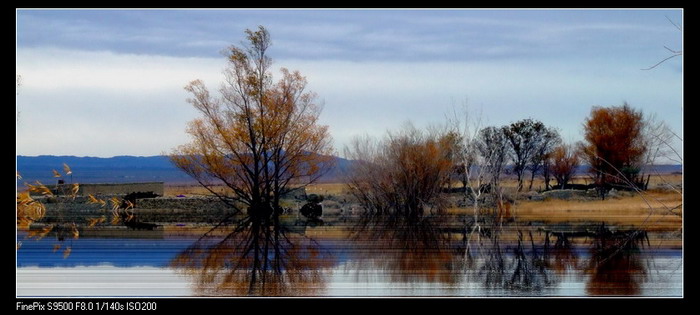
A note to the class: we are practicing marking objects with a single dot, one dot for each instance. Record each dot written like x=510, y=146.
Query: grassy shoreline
x=657, y=211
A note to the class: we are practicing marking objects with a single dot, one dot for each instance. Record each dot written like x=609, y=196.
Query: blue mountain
x=119, y=169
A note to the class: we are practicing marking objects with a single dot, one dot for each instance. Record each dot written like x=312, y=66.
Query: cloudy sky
x=110, y=82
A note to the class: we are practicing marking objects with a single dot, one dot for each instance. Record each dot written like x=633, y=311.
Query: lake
x=142, y=267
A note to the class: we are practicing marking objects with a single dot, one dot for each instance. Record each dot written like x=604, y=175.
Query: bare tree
x=261, y=139
x=674, y=53
x=483, y=156
x=539, y=162
x=525, y=138
x=492, y=144
x=659, y=140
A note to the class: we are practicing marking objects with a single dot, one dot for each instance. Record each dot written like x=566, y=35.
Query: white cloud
x=104, y=104
x=59, y=68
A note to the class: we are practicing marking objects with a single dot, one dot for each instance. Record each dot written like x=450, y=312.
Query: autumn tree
x=398, y=181
x=615, y=144
x=261, y=139
x=402, y=175
x=564, y=160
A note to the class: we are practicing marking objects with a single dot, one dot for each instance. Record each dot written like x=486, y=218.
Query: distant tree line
x=403, y=175
x=618, y=142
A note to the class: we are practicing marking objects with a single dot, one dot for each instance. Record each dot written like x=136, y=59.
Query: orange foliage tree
x=563, y=163
x=615, y=144
x=399, y=181
x=404, y=174
x=261, y=139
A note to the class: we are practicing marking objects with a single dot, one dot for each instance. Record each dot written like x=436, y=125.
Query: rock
x=563, y=194
x=330, y=204
x=311, y=210
x=536, y=197
x=669, y=187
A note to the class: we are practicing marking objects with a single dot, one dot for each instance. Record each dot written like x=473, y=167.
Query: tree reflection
x=409, y=250
x=398, y=182
x=617, y=264
x=254, y=260
x=520, y=267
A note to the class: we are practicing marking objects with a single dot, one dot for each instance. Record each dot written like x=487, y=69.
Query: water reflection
x=617, y=265
x=255, y=260
x=522, y=267
x=415, y=250
x=408, y=248
x=418, y=252
x=562, y=258
x=574, y=270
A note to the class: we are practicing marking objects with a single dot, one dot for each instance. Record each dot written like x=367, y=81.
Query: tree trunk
x=646, y=185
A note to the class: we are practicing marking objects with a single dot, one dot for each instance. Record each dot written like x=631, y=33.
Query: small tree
x=398, y=181
x=525, y=138
x=402, y=175
x=493, y=147
x=547, y=140
x=615, y=144
x=482, y=155
x=564, y=161
x=462, y=160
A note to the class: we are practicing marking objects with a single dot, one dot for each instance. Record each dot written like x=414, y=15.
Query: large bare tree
x=260, y=139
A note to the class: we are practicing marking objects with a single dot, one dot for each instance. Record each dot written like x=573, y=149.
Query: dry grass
x=196, y=190
x=341, y=188
x=650, y=211
x=538, y=184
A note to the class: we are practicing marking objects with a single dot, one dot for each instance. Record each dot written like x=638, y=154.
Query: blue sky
x=110, y=82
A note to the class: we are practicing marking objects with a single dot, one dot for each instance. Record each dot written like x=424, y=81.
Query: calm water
x=141, y=267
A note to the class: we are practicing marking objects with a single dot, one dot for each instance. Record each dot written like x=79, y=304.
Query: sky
x=110, y=82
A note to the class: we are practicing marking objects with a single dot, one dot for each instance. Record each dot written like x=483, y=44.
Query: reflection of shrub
x=329, y=204
x=30, y=211
x=62, y=224
x=616, y=264
x=311, y=210
x=314, y=198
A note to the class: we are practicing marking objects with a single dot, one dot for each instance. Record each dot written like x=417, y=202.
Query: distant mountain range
x=122, y=169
